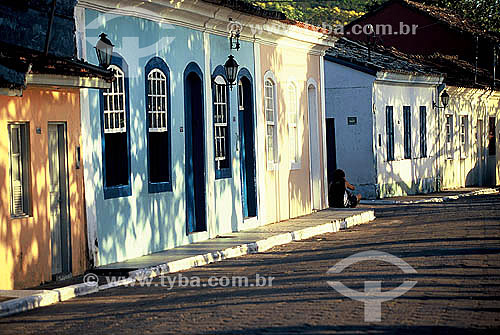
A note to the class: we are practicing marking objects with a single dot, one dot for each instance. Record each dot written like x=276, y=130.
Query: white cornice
x=408, y=79
x=215, y=19
x=66, y=81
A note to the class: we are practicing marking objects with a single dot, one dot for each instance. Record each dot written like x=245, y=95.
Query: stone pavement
x=453, y=246
x=442, y=196
x=189, y=256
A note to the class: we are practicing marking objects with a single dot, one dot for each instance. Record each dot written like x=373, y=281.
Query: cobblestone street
x=453, y=246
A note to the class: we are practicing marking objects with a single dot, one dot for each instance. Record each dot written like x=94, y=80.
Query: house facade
x=469, y=126
x=380, y=114
x=173, y=154
x=42, y=213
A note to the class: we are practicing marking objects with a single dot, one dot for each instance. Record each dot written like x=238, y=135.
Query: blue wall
x=145, y=222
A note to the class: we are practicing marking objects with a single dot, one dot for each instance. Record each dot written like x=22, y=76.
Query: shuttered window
x=270, y=111
x=407, y=131
x=19, y=169
x=389, y=124
x=423, y=131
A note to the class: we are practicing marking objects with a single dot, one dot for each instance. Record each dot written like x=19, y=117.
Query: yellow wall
x=470, y=170
x=287, y=193
x=25, y=242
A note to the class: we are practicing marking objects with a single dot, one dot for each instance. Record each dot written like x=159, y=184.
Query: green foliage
x=320, y=12
x=483, y=13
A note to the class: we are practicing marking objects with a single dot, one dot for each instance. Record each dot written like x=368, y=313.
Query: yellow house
x=42, y=212
x=291, y=119
x=470, y=136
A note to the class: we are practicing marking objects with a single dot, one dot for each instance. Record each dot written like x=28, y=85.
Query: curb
x=49, y=297
x=432, y=200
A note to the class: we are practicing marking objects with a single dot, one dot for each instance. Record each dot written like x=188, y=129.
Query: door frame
x=243, y=129
x=66, y=255
x=312, y=83
x=193, y=68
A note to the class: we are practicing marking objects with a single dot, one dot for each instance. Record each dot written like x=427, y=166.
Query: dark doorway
x=492, y=151
x=330, y=148
x=247, y=151
x=195, y=150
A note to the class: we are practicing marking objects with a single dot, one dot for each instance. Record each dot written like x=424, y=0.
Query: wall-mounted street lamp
x=445, y=99
x=231, y=68
x=104, y=50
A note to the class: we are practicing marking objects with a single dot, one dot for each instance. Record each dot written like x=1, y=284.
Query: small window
x=389, y=120
x=158, y=121
x=292, y=126
x=423, y=131
x=19, y=169
x=221, y=128
x=464, y=135
x=407, y=131
x=449, y=136
x=270, y=111
x=116, y=158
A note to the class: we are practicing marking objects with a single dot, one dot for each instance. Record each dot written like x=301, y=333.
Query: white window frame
x=293, y=125
x=19, y=206
x=221, y=129
x=449, y=135
x=114, y=104
x=157, y=101
x=464, y=136
x=271, y=105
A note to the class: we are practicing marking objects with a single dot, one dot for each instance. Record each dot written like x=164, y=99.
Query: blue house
x=171, y=149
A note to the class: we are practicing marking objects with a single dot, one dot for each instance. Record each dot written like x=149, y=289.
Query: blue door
x=247, y=151
x=195, y=149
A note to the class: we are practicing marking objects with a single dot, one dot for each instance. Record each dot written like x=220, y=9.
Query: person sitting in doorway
x=338, y=194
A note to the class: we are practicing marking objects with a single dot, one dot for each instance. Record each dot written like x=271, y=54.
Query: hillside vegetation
x=484, y=13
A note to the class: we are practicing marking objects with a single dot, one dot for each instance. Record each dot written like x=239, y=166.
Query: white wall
x=349, y=94
x=405, y=176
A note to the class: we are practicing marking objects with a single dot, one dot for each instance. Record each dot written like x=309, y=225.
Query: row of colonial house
x=161, y=149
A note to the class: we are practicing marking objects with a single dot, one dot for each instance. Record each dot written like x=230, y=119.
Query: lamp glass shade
x=104, y=50
x=445, y=99
x=231, y=68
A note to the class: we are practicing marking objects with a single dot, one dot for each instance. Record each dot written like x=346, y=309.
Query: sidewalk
x=443, y=196
x=185, y=257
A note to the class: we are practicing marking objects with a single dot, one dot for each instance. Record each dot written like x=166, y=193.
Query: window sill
x=22, y=216
x=117, y=191
x=159, y=187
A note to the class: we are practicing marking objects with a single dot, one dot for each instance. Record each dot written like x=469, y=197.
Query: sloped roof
x=373, y=60
x=443, y=15
x=16, y=63
x=248, y=8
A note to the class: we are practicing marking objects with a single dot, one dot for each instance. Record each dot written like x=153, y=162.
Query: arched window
x=115, y=125
x=221, y=126
x=114, y=104
x=158, y=125
x=271, y=122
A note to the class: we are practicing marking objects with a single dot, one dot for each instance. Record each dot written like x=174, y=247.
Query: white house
x=381, y=124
